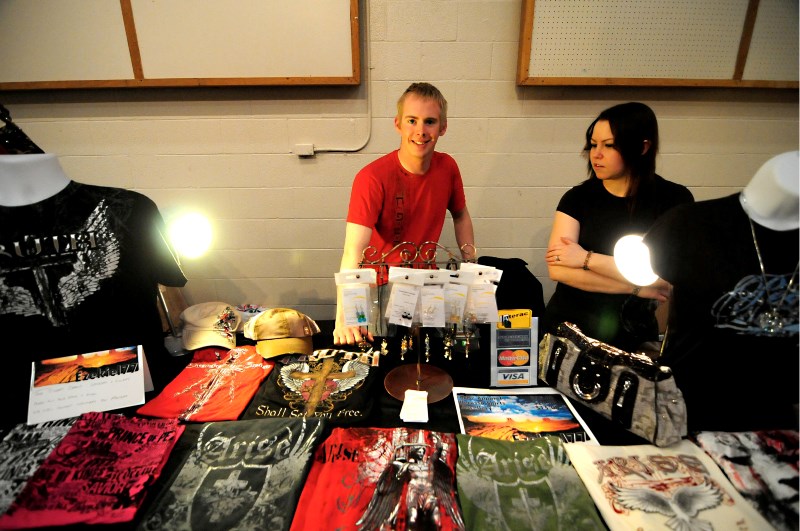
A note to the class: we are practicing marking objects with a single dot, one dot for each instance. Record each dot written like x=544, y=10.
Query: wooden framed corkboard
x=712, y=43
x=53, y=44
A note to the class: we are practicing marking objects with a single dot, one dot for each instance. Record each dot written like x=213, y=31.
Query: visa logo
x=514, y=376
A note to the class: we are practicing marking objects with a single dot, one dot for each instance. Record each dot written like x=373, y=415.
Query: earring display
x=434, y=295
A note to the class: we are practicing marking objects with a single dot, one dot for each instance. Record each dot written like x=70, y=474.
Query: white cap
x=772, y=198
x=209, y=324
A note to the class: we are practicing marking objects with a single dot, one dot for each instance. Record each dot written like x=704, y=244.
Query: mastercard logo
x=507, y=358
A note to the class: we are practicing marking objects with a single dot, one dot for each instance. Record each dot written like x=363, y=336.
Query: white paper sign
x=97, y=381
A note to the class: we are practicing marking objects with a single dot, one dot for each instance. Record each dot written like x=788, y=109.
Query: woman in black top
x=623, y=195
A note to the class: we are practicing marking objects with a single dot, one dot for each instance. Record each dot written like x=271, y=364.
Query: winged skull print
x=682, y=507
x=61, y=281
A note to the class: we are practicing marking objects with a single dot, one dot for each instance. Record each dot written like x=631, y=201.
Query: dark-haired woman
x=623, y=195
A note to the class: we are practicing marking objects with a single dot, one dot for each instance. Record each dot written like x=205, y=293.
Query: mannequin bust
x=733, y=318
x=772, y=197
x=28, y=179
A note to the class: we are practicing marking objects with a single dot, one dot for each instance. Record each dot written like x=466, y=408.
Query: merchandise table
x=473, y=371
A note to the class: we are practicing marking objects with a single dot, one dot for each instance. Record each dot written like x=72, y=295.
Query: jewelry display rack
x=420, y=376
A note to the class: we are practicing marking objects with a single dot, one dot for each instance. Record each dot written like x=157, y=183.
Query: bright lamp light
x=190, y=235
x=632, y=258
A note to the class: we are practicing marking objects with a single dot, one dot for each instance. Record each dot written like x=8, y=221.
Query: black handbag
x=630, y=389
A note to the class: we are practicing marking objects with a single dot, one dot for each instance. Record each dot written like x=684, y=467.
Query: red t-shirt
x=217, y=385
x=381, y=478
x=403, y=207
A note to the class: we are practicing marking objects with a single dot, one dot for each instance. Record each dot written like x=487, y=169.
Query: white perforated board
x=773, y=49
x=132, y=43
x=653, y=40
x=244, y=38
x=636, y=38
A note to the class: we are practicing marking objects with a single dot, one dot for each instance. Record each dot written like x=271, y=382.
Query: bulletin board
x=715, y=43
x=54, y=44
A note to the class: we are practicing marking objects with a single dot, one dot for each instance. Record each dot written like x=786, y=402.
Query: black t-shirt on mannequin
x=79, y=272
x=737, y=372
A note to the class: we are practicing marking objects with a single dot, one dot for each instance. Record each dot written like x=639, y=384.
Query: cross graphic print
x=232, y=484
x=35, y=280
x=525, y=504
x=320, y=374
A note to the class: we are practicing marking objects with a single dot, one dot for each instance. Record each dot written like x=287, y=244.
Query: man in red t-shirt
x=403, y=196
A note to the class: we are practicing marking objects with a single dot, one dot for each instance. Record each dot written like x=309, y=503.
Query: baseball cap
x=281, y=331
x=209, y=324
x=771, y=197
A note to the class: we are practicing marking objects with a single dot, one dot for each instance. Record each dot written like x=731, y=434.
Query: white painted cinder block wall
x=279, y=219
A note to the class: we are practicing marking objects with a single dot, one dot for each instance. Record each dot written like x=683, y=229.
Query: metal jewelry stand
x=418, y=376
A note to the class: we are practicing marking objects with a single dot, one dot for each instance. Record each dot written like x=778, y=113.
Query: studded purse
x=630, y=389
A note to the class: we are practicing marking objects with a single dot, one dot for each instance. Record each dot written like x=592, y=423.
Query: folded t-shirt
x=217, y=385
x=332, y=384
x=97, y=474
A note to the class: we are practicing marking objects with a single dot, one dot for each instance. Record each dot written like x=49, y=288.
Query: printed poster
x=519, y=414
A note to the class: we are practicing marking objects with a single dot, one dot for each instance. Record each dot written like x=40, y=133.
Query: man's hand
x=350, y=335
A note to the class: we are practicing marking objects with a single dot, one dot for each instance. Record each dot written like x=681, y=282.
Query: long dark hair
x=631, y=124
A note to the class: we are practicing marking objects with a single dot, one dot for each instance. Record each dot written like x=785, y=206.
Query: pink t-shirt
x=97, y=474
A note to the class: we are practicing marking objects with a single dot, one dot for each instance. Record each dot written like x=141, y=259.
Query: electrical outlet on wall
x=304, y=150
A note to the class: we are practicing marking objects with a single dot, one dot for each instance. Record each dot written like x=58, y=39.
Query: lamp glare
x=632, y=258
x=191, y=235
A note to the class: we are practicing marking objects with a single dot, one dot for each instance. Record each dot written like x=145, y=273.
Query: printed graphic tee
x=217, y=385
x=332, y=384
x=507, y=485
x=381, y=478
x=243, y=474
x=79, y=272
x=646, y=487
x=97, y=474
x=720, y=315
x=762, y=465
x=22, y=450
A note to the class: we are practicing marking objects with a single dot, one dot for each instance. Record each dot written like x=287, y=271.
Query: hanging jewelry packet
x=456, y=292
x=405, y=287
x=481, y=302
x=432, y=300
x=356, y=287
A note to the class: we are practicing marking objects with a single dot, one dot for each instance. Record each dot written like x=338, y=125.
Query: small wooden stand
x=418, y=376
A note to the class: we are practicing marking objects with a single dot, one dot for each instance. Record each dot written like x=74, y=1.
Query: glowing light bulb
x=632, y=258
x=190, y=235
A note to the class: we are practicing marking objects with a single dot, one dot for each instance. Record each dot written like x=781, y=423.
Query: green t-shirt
x=510, y=485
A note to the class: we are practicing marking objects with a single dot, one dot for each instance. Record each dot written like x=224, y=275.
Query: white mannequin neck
x=28, y=179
